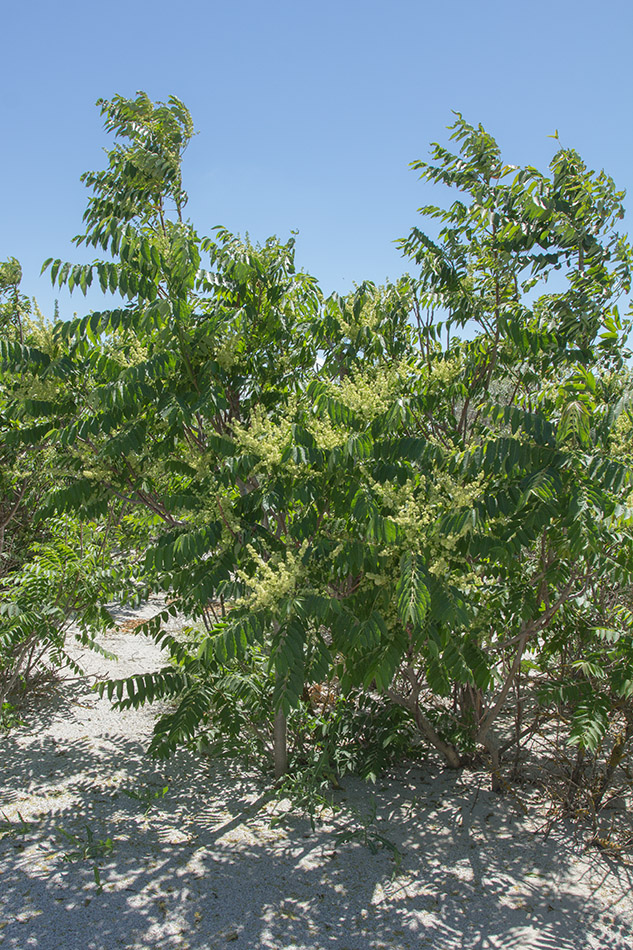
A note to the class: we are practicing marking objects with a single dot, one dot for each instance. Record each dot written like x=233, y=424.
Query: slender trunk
x=425, y=726
x=450, y=753
x=617, y=754
x=280, y=744
x=491, y=745
x=575, y=778
x=280, y=736
x=518, y=723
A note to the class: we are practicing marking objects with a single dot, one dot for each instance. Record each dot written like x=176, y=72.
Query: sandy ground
x=203, y=868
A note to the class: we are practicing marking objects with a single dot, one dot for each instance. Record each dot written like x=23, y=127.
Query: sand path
x=203, y=869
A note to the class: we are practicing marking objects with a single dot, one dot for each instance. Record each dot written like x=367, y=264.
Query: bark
x=280, y=744
x=280, y=736
x=451, y=755
x=617, y=754
x=449, y=752
x=575, y=778
x=491, y=745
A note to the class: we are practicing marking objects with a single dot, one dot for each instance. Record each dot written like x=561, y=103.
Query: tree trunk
x=450, y=753
x=492, y=747
x=280, y=745
x=575, y=779
x=617, y=754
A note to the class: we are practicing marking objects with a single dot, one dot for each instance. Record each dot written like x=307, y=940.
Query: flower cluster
x=268, y=581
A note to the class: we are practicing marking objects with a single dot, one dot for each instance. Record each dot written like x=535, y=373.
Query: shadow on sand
x=203, y=868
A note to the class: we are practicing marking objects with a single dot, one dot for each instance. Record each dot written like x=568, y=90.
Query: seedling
x=146, y=797
x=14, y=827
x=367, y=833
x=9, y=717
x=88, y=848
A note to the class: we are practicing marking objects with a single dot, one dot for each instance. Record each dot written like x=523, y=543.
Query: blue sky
x=308, y=113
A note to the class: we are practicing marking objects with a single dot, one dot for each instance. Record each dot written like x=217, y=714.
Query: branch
x=535, y=626
x=530, y=629
x=5, y=521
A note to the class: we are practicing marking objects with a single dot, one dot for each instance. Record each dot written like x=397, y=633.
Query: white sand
x=204, y=869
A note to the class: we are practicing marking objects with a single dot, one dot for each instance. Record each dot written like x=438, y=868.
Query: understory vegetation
x=396, y=520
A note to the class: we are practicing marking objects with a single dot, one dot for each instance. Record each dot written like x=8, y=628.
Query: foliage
x=62, y=585
x=56, y=572
x=8, y=716
x=89, y=848
x=147, y=797
x=405, y=493
x=364, y=830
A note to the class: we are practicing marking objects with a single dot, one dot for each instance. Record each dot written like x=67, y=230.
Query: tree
x=346, y=489
x=195, y=359
x=505, y=504
x=55, y=573
x=472, y=486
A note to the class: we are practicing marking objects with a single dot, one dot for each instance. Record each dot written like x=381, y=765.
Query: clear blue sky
x=308, y=113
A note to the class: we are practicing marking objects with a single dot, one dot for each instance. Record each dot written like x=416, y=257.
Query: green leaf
x=412, y=592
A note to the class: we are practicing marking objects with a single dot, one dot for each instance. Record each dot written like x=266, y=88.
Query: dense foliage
x=412, y=500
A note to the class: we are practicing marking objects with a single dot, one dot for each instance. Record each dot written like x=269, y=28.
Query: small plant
x=358, y=733
x=366, y=831
x=306, y=790
x=13, y=828
x=8, y=716
x=89, y=848
x=147, y=797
